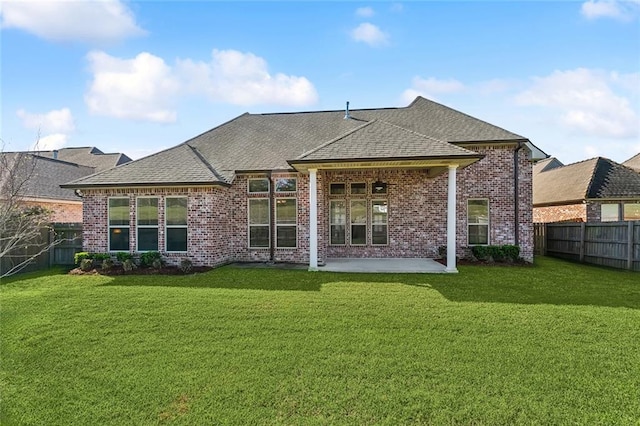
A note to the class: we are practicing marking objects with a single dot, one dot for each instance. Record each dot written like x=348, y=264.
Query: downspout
x=272, y=232
x=516, y=194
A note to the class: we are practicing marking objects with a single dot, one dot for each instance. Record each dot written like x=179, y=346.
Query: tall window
x=286, y=223
x=147, y=224
x=338, y=221
x=609, y=212
x=259, y=218
x=379, y=228
x=118, y=224
x=175, y=214
x=358, y=217
x=478, y=222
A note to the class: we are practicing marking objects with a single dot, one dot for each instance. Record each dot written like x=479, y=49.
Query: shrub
x=147, y=258
x=496, y=253
x=156, y=264
x=481, y=252
x=442, y=252
x=86, y=265
x=107, y=264
x=80, y=256
x=511, y=252
x=128, y=265
x=100, y=257
x=123, y=255
x=186, y=266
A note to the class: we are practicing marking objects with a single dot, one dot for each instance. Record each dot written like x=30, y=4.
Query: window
x=118, y=224
x=147, y=224
x=258, y=185
x=378, y=187
x=259, y=218
x=478, y=222
x=379, y=235
x=609, y=212
x=358, y=189
x=632, y=211
x=337, y=222
x=337, y=189
x=358, y=216
x=286, y=185
x=286, y=223
x=175, y=214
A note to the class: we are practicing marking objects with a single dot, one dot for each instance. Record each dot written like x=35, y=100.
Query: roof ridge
x=595, y=177
x=206, y=163
x=331, y=141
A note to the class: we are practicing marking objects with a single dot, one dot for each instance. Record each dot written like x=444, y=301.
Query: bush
x=509, y=253
x=100, y=257
x=148, y=258
x=481, y=252
x=107, y=264
x=128, y=265
x=80, y=256
x=86, y=265
x=442, y=252
x=122, y=256
x=186, y=266
x=156, y=264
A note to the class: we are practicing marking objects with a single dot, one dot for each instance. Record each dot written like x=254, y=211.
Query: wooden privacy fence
x=70, y=237
x=614, y=244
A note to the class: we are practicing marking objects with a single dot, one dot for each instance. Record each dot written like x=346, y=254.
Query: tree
x=24, y=226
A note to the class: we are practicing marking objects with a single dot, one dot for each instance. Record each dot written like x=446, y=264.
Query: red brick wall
x=567, y=213
x=61, y=212
x=218, y=225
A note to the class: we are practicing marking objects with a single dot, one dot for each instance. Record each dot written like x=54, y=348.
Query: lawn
x=556, y=343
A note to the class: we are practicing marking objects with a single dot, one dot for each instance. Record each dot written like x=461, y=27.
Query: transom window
x=147, y=223
x=478, y=222
x=175, y=214
x=258, y=185
x=286, y=185
x=337, y=189
x=359, y=188
x=118, y=224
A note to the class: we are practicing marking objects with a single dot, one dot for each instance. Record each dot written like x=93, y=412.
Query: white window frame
x=352, y=194
x=344, y=194
x=138, y=226
x=109, y=226
x=277, y=225
x=250, y=225
x=167, y=227
x=258, y=192
x=488, y=224
x=617, y=207
x=285, y=192
x=331, y=224
x=351, y=223
x=384, y=200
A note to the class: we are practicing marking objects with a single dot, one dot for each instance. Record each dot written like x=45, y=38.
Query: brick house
x=309, y=186
x=595, y=190
x=47, y=170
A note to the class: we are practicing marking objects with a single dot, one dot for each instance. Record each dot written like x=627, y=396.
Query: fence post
x=545, y=231
x=630, y=244
x=583, y=226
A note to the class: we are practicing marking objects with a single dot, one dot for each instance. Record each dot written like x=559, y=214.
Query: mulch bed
x=117, y=270
x=467, y=262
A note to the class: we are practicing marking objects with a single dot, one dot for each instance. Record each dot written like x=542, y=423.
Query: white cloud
x=370, y=34
x=50, y=142
x=365, y=12
x=615, y=9
x=586, y=102
x=141, y=88
x=55, y=121
x=63, y=20
x=431, y=87
x=244, y=79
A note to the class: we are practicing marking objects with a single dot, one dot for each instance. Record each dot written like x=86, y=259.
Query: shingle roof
x=595, y=178
x=87, y=156
x=546, y=164
x=269, y=141
x=633, y=162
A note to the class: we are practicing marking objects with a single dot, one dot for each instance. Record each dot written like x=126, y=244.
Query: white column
x=451, y=221
x=313, y=220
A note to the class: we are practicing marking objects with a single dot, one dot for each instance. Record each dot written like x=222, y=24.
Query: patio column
x=313, y=220
x=451, y=221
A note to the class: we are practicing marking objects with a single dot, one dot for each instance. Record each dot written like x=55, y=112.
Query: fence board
x=613, y=244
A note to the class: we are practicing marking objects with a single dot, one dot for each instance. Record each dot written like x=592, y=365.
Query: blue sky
x=138, y=77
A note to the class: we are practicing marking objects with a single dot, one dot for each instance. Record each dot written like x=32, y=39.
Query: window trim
x=109, y=226
x=267, y=224
x=258, y=192
x=344, y=194
x=167, y=227
x=386, y=222
x=351, y=224
x=138, y=226
x=331, y=243
x=488, y=224
x=617, y=206
x=277, y=225
x=275, y=186
x=362, y=195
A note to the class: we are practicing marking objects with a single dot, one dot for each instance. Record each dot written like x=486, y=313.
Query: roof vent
x=55, y=154
x=346, y=112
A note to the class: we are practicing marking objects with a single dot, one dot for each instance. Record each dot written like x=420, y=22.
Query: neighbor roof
x=254, y=142
x=597, y=178
x=633, y=162
x=87, y=156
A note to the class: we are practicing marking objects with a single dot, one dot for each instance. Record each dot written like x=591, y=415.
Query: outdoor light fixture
x=78, y=193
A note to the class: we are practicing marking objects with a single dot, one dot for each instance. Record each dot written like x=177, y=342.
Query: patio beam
x=313, y=220
x=451, y=221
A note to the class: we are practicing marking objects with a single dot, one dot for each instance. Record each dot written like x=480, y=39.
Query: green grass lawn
x=557, y=343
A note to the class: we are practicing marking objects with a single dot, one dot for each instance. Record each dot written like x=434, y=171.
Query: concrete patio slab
x=418, y=266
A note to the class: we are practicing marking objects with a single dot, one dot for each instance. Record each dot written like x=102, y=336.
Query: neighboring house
x=309, y=186
x=47, y=170
x=633, y=163
x=593, y=190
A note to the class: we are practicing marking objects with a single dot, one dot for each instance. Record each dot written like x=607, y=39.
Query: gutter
x=516, y=195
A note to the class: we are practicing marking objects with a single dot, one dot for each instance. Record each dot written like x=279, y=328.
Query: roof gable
x=633, y=162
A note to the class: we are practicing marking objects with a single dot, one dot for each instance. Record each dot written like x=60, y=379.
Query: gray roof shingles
x=269, y=141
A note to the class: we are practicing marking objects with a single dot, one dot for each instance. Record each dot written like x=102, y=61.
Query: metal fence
x=613, y=244
x=69, y=236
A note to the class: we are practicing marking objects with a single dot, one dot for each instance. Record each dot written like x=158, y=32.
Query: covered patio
x=410, y=266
